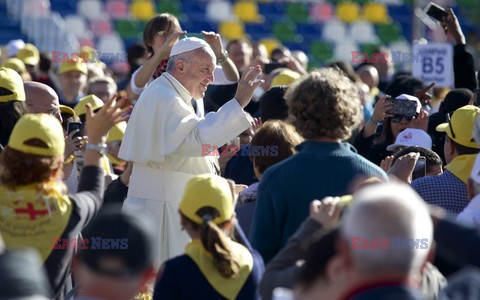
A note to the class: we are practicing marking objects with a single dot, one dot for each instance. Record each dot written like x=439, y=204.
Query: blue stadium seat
x=198, y=25
x=64, y=7
x=310, y=32
x=401, y=13
x=195, y=11
x=257, y=31
x=272, y=11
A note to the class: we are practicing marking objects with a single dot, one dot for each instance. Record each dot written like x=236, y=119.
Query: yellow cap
x=29, y=55
x=117, y=132
x=81, y=107
x=66, y=110
x=38, y=126
x=86, y=52
x=15, y=64
x=207, y=190
x=73, y=65
x=285, y=77
x=462, y=122
x=11, y=80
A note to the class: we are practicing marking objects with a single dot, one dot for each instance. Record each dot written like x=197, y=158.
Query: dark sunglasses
x=398, y=118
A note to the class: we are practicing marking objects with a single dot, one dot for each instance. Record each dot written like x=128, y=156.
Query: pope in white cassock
x=164, y=137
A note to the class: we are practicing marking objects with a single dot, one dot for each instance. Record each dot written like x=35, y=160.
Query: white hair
x=386, y=211
x=188, y=57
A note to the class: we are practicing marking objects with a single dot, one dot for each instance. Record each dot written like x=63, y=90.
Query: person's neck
x=327, y=140
x=69, y=97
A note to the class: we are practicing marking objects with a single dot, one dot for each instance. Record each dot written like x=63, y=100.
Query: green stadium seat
x=298, y=12
x=321, y=51
x=390, y=32
x=172, y=7
x=285, y=32
x=369, y=48
x=128, y=29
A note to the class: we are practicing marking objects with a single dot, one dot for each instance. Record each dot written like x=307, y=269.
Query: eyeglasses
x=450, y=125
x=398, y=118
x=50, y=110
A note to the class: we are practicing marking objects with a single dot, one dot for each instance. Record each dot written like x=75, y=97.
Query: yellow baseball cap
x=117, y=132
x=15, y=64
x=66, y=110
x=86, y=52
x=285, y=77
x=81, y=107
x=73, y=65
x=38, y=126
x=207, y=190
x=462, y=123
x=29, y=55
x=11, y=80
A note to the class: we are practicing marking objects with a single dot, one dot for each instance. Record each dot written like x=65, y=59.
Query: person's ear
x=453, y=151
x=180, y=66
x=335, y=269
x=343, y=248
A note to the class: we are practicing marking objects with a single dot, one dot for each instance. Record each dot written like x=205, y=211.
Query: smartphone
x=420, y=169
x=272, y=66
x=72, y=126
x=436, y=11
x=402, y=107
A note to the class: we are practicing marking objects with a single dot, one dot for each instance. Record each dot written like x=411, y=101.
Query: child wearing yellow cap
x=214, y=266
x=37, y=210
x=12, y=102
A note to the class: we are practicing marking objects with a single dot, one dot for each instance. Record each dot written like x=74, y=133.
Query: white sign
x=433, y=63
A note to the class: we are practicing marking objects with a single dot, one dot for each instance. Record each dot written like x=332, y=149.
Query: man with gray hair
x=387, y=236
x=168, y=143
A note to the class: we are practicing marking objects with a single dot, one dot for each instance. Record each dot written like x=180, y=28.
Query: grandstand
x=325, y=30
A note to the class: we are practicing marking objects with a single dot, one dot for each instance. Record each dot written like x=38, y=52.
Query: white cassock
x=164, y=139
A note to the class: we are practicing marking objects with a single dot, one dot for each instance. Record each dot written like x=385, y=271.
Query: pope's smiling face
x=198, y=73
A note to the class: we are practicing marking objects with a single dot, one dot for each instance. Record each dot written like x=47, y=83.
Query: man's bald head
x=369, y=75
x=40, y=98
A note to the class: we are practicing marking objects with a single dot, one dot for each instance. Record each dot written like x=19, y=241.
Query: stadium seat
x=142, y=9
x=257, y=31
x=334, y=31
x=117, y=9
x=90, y=9
x=172, y=7
x=285, y=32
x=369, y=48
x=376, y=13
x=343, y=50
x=219, y=11
x=112, y=43
x=363, y=32
x=348, y=12
x=194, y=11
x=231, y=30
x=321, y=12
x=270, y=44
x=76, y=24
x=400, y=47
x=272, y=10
x=310, y=32
x=389, y=33
x=247, y=11
x=127, y=29
x=321, y=51
x=101, y=27
x=297, y=12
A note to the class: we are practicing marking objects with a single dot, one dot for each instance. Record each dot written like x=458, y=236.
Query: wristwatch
x=102, y=148
x=223, y=59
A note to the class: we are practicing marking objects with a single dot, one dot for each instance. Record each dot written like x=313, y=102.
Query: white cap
x=13, y=46
x=411, y=98
x=475, y=175
x=188, y=44
x=412, y=137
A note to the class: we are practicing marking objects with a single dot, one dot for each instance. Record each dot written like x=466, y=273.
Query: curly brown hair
x=324, y=104
x=18, y=168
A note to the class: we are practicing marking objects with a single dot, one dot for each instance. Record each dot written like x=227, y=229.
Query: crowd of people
x=212, y=171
